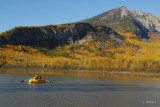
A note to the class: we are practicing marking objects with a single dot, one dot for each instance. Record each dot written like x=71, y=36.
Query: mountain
x=55, y=35
x=123, y=20
x=87, y=45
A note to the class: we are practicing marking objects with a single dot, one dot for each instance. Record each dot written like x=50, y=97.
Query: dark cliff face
x=54, y=35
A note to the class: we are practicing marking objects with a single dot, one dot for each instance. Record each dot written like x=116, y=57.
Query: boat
x=37, y=81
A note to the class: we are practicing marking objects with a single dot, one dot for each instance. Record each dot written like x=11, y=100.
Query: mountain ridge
x=123, y=20
x=55, y=35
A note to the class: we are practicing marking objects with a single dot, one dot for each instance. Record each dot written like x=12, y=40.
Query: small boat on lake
x=32, y=80
x=37, y=79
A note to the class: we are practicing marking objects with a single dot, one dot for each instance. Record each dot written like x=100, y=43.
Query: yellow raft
x=36, y=81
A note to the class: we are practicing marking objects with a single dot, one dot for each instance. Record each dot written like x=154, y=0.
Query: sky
x=50, y=12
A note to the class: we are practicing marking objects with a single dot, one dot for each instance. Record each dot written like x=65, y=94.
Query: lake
x=72, y=91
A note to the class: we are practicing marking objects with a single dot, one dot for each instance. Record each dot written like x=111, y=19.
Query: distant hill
x=56, y=35
x=123, y=20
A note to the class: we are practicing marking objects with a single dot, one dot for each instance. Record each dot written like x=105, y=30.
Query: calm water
x=79, y=92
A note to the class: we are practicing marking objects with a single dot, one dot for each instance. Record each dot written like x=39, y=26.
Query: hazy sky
x=45, y=12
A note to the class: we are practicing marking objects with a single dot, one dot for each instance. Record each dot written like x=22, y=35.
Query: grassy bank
x=82, y=73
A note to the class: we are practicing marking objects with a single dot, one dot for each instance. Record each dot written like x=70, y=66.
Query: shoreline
x=70, y=72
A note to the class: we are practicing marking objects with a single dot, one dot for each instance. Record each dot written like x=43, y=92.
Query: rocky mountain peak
x=123, y=20
x=122, y=11
x=121, y=8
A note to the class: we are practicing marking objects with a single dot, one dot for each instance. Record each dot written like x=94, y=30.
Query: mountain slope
x=56, y=35
x=123, y=20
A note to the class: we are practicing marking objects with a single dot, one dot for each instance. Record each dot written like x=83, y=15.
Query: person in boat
x=41, y=78
x=36, y=77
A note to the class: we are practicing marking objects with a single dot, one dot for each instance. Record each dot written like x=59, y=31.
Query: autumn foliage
x=131, y=55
